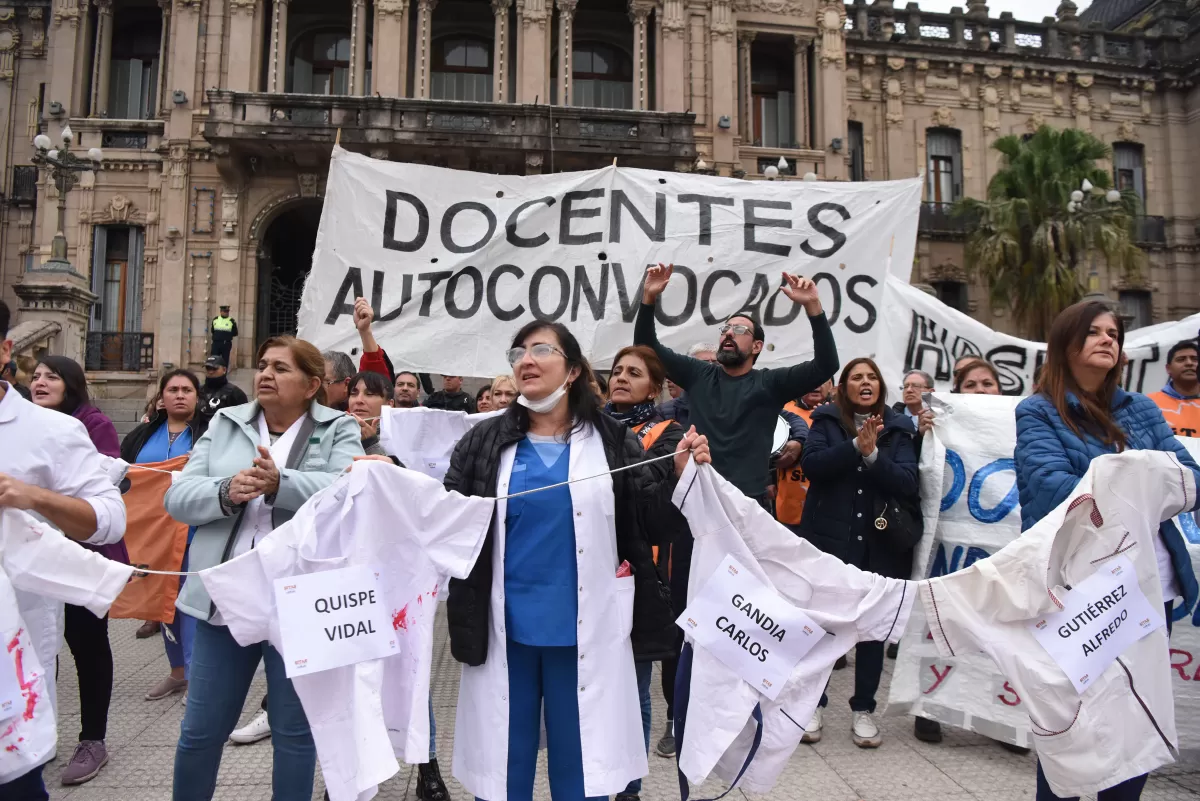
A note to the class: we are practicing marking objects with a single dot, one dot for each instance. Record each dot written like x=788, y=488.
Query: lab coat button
x=579, y=514
x=860, y=539
x=860, y=492
x=581, y=550
x=860, y=514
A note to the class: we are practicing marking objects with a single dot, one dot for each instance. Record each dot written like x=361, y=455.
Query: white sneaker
x=252, y=732
x=866, y=731
x=812, y=732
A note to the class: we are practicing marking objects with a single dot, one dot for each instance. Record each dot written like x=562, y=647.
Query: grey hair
x=926, y=377
x=343, y=367
x=701, y=347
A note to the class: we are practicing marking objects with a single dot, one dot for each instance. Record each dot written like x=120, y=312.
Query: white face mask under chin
x=547, y=403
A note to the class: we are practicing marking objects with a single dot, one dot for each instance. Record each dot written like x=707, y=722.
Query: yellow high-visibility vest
x=223, y=324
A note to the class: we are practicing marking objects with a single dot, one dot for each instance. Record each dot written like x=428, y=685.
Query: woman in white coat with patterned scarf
x=564, y=592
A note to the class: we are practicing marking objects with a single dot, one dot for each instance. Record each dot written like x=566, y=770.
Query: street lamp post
x=65, y=168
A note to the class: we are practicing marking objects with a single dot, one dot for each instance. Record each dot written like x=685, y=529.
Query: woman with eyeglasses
x=565, y=595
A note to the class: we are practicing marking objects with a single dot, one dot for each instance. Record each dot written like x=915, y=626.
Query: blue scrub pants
x=544, y=676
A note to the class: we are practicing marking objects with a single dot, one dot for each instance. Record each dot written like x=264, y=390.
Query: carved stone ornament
x=943, y=117
x=395, y=8
x=993, y=71
x=788, y=7
x=922, y=65
x=721, y=20
x=832, y=20
x=38, y=42
x=1127, y=132
x=189, y=5
x=308, y=184
x=10, y=40
x=242, y=6
x=120, y=209
x=1084, y=81
x=66, y=11
x=895, y=63
x=895, y=101
x=1018, y=73
x=991, y=111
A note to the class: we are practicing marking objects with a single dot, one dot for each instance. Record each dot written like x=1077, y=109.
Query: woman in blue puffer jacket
x=1080, y=412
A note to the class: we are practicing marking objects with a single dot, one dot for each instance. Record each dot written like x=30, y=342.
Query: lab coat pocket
x=1061, y=745
x=622, y=606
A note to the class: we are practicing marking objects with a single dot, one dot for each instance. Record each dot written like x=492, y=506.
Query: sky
x=1026, y=10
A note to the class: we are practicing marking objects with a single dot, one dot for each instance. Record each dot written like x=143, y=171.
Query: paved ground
x=142, y=736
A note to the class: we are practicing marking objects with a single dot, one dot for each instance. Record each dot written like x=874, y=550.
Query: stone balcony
x=488, y=137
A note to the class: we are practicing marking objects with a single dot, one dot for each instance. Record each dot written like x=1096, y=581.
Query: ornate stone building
x=216, y=118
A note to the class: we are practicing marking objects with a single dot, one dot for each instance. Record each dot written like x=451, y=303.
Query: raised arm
x=788, y=383
x=680, y=368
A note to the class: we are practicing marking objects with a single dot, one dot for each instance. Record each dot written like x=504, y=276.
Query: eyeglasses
x=917, y=386
x=540, y=351
x=330, y=383
x=736, y=330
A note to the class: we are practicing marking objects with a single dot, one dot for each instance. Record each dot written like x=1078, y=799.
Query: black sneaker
x=893, y=650
x=666, y=745
x=628, y=797
x=430, y=786
x=927, y=731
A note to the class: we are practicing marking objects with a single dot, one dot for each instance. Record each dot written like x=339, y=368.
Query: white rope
x=501, y=498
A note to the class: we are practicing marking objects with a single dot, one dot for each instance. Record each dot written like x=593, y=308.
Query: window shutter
x=99, y=251
x=133, y=281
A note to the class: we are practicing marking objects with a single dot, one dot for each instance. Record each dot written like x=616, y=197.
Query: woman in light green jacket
x=257, y=464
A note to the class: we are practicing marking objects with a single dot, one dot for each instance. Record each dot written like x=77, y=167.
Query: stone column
x=164, y=42
x=800, y=100
x=277, y=60
x=389, y=64
x=831, y=18
x=639, y=15
x=424, y=47
x=533, y=51
x=241, y=45
x=358, y=48
x=102, y=61
x=746, y=128
x=500, y=51
x=724, y=84
x=671, y=94
x=566, y=18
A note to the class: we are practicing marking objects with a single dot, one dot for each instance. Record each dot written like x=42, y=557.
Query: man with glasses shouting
x=733, y=404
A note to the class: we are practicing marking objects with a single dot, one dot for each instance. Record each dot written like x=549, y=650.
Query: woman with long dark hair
x=565, y=595
x=858, y=456
x=1080, y=412
x=59, y=383
x=172, y=431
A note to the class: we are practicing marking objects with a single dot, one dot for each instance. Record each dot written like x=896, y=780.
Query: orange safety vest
x=648, y=435
x=792, y=486
x=1183, y=416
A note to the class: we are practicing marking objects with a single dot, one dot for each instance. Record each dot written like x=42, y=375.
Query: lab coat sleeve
x=244, y=594
x=82, y=473
x=297, y=486
x=38, y=559
x=450, y=527
x=193, y=496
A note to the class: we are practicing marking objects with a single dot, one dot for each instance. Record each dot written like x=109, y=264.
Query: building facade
x=216, y=118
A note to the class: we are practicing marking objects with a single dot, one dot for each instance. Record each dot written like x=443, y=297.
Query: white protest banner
x=333, y=618
x=455, y=262
x=969, y=501
x=1101, y=616
x=919, y=332
x=749, y=627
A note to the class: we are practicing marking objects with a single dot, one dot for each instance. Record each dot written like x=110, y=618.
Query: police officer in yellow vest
x=223, y=330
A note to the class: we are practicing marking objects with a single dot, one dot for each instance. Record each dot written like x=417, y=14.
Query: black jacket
x=451, y=401
x=676, y=409
x=845, y=496
x=214, y=400
x=474, y=467
x=135, y=439
x=668, y=527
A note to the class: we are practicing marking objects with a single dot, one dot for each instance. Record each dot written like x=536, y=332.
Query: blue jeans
x=221, y=673
x=182, y=634
x=542, y=681
x=645, y=671
x=432, y=730
x=29, y=787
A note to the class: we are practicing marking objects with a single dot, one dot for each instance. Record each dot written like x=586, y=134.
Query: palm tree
x=1048, y=209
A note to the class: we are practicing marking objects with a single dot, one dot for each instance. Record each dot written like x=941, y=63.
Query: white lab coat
x=39, y=561
x=610, y=717
x=423, y=439
x=852, y=606
x=52, y=450
x=1123, y=725
x=412, y=531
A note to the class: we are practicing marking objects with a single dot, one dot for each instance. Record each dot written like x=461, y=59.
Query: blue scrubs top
x=540, y=573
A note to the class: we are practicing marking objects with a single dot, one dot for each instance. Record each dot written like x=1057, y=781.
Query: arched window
x=320, y=63
x=462, y=69
x=601, y=76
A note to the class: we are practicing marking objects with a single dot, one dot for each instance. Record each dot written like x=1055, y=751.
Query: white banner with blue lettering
x=971, y=509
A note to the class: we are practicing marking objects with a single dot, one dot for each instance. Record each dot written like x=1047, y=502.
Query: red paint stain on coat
x=400, y=619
